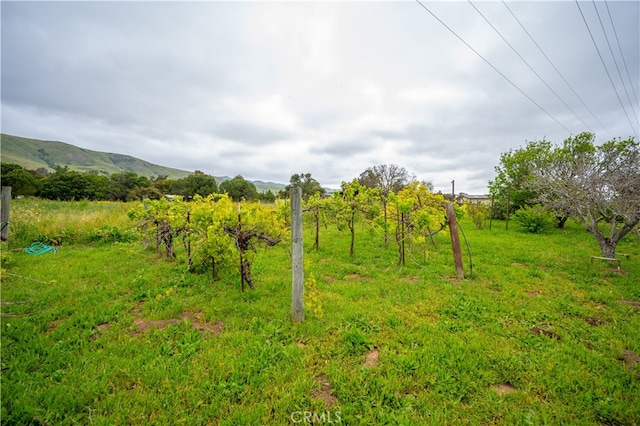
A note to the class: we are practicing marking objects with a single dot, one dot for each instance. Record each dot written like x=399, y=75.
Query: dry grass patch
x=356, y=277
x=503, y=389
x=141, y=325
x=372, y=359
x=594, y=321
x=631, y=360
x=542, y=332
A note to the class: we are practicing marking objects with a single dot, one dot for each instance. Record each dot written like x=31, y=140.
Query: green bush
x=534, y=220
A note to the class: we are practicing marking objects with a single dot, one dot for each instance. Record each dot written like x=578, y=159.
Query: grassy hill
x=34, y=154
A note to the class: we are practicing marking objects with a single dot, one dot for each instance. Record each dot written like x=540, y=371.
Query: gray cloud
x=270, y=89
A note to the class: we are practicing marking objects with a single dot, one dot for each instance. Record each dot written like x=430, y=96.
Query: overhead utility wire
x=633, y=89
x=633, y=110
x=556, y=69
x=529, y=66
x=492, y=66
x=605, y=68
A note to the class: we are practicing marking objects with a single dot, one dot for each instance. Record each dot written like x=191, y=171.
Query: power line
x=605, y=67
x=529, y=66
x=615, y=62
x=492, y=66
x=633, y=90
x=556, y=69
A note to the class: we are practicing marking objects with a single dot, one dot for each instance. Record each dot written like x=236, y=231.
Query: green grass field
x=105, y=332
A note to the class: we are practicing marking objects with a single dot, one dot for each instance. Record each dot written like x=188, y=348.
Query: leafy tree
x=600, y=185
x=196, y=183
x=97, y=186
x=65, y=185
x=123, y=183
x=308, y=184
x=21, y=181
x=267, y=197
x=141, y=193
x=163, y=184
x=239, y=189
x=510, y=188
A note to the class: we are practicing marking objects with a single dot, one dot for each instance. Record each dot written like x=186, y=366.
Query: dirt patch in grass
x=634, y=303
x=532, y=293
x=324, y=394
x=617, y=271
x=520, y=265
x=594, y=321
x=356, y=277
x=542, y=332
x=204, y=327
x=329, y=278
x=631, y=360
x=99, y=329
x=503, y=389
x=53, y=325
x=372, y=359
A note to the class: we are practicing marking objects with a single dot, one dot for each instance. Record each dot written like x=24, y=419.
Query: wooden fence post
x=455, y=240
x=4, y=213
x=297, y=271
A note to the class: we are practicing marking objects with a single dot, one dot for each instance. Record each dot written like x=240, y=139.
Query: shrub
x=478, y=212
x=534, y=220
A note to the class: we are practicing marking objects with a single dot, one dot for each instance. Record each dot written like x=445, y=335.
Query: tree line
x=68, y=185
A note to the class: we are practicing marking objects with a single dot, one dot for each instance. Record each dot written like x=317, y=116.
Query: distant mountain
x=34, y=154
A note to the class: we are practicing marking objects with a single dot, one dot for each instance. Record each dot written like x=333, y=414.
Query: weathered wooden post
x=455, y=240
x=297, y=272
x=4, y=212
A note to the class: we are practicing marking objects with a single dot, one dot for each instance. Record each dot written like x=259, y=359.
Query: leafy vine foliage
x=212, y=229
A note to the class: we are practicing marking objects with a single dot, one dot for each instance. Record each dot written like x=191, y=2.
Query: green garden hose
x=40, y=248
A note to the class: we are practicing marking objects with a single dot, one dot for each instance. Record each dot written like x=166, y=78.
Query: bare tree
x=599, y=185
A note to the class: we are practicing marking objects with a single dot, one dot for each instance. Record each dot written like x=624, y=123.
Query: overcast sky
x=269, y=89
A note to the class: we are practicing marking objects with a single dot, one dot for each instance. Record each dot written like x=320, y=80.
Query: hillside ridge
x=34, y=154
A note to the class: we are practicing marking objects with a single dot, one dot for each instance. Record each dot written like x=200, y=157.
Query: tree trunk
x=560, y=221
x=607, y=247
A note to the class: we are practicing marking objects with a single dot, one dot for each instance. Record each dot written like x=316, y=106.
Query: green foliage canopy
x=239, y=189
